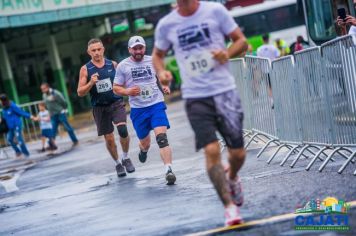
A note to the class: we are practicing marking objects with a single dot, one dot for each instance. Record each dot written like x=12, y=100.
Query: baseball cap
x=136, y=40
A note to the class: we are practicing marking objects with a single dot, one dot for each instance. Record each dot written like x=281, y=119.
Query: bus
x=282, y=19
x=320, y=18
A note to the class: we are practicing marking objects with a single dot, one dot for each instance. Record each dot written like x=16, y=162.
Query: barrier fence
x=305, y=103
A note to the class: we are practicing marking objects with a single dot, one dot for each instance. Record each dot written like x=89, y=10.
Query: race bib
x=199, y=64
x=103, y=85
x=146, y=92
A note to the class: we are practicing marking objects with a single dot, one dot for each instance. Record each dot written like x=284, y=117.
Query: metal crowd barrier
x=314, y=102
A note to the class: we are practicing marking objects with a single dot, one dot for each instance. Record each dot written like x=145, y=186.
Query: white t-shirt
x=352, y=30
x=193, y=38
x=130, y=73
x=45, y=120
x=268, y=51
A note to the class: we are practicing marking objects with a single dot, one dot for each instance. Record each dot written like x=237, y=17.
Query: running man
x=96, y=77
x=136, y=78
x=196, y=31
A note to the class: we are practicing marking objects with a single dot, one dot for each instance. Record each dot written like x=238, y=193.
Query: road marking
x=10, y=183
x=273, y=219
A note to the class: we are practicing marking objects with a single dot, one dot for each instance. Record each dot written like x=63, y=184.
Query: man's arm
x=122, y=91
x=84, y=86
x=164, y=76
x=20, y=112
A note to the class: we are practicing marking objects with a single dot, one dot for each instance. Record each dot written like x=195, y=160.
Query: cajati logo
x=327, y=214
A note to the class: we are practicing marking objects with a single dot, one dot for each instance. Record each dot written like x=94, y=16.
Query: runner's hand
x=133, y=91
x=350, y=20
x=166, y=89
x=221, y=56
x=165, y=77
x=94, y=78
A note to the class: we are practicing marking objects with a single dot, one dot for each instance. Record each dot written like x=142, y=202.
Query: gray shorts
x=106, y=116
x=222, y=113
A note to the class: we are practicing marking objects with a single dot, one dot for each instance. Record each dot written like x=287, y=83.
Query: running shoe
x=232, y=216
x=170, y=177
x=235, y=190
x=142, y=156
x=120, y=169
x=128, y=165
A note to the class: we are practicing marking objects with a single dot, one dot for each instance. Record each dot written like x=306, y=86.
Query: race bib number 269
x=103, y=85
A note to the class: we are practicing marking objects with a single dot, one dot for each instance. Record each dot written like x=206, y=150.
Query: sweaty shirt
x=130, y=73
x=101, y=94
x=193, y=38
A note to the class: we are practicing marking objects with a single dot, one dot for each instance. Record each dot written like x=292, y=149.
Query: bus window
x=321, y=23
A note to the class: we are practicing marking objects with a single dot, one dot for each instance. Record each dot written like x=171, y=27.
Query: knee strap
x=122, y=129
x=162, y=140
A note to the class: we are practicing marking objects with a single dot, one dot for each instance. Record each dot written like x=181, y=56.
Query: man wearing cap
x=96, y=77
x=136, y=78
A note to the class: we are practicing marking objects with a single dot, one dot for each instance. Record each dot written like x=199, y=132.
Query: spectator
x=268, y=50
x=282, y=47
x=57, y=105
x=299, y=45
x=349, y=21
x=46, y=127
x=12, y=114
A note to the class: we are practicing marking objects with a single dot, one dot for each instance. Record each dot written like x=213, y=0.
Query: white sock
x=117, y=161
x=124, y=156
x=168, y=166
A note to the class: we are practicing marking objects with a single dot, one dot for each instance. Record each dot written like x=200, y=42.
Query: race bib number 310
x=199, y=64
x=103, y=85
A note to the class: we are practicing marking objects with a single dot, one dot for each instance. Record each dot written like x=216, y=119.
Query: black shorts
x=106, y=116
x=222, y=113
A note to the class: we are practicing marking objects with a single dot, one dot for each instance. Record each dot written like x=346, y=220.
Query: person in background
x=57, y=105
x=349, y=21
x=299, y=45
x=46, y=127
x=282, y=47
x=12, y=114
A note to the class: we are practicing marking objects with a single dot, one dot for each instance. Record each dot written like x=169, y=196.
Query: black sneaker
x=128, y=165
x=142, y=156
x=170, y=177
x=120, y=169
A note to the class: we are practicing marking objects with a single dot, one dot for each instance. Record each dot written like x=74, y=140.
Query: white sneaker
x=235, y=189
x=232, y=216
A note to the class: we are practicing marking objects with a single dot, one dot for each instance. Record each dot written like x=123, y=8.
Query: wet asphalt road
x=79, y=193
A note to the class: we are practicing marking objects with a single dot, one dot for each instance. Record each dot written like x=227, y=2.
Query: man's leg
x=125, y=143
x=236, y=160
x=216, y=172
x=112, y=148
x=55, y=123
x=18, y=133
x=10, y=139
x=165, y=152
x=63, y=119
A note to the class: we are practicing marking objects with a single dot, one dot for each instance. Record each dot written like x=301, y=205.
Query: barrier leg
x=298, y=156
x=292, y=151
x=264, y=148
x=328, y=159
x=275, y=153
x=342, y=168
x=316, y=157
x=249, y=142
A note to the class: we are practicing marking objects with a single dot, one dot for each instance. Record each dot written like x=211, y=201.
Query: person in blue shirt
x=12, y=114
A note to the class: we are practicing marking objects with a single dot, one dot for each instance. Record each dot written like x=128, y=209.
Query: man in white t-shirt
x=135, y=77
x=268, y=50
x=196, y=30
